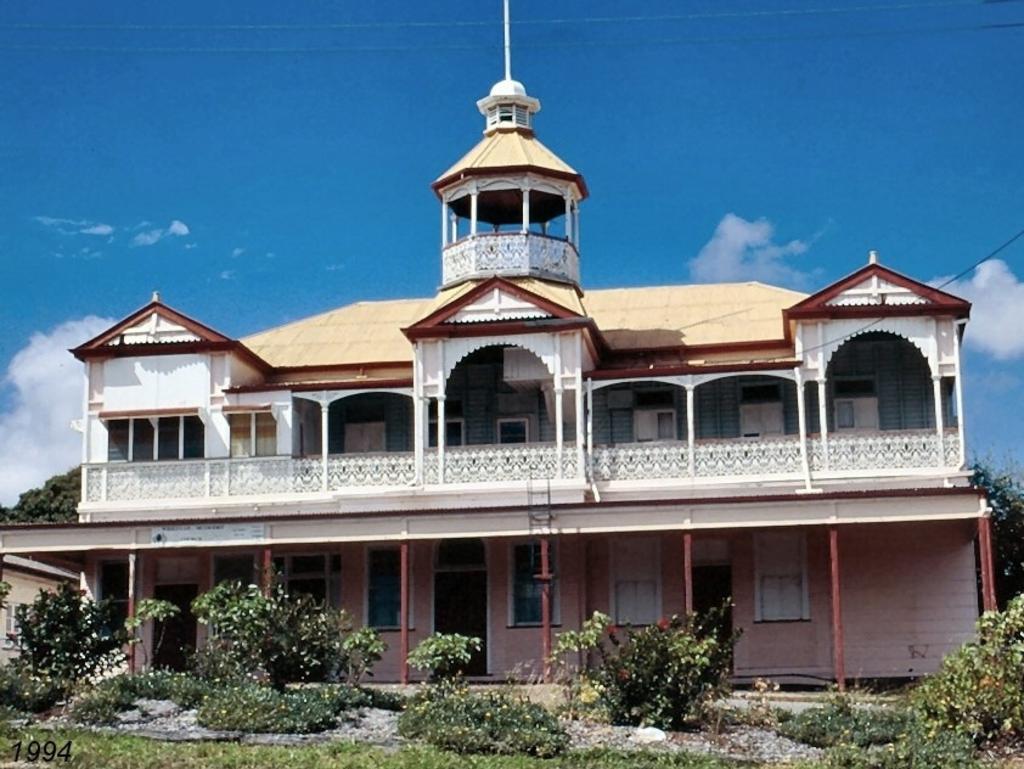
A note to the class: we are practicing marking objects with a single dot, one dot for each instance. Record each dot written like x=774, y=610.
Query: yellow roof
x=504, y=149
x=629, y=318
x=661, y=316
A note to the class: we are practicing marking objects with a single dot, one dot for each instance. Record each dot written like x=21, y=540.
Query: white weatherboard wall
x=156, y=382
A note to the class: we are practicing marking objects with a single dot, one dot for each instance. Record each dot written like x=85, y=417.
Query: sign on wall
x=208, y=532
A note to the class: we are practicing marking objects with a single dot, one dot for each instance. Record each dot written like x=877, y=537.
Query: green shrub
x=665, y=674
x=284, y=638
x=977, y=692
x=444, y=655
x=66, y=636
x=101, y=703
x=842, y=723
x=23, y=691
x=363, y=649
x=914, y=749
x=452, y=718
x=262, y=709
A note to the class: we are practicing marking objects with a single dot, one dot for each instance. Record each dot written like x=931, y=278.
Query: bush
x=22, y=691
x=914, y=749
x=977, y=692
x=492, y=722
x=101, y=703
x=261, y=709
x=363, y=649
x=66, y=637
x=443, y=655
x=286, y=639
x=666, y=674
x=842, y=723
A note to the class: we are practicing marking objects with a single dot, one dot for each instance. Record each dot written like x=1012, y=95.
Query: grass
x=101, y=751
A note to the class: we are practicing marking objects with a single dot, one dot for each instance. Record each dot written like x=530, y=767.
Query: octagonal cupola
x=510, y=206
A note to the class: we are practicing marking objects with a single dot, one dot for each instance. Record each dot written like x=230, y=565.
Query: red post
x=403, y=610
x=988, y=589
x=838, y=653
x=545, y=605
x=268, y=571
x=688, y=572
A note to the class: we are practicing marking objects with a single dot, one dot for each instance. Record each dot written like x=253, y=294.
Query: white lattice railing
x=482, y=464
x=641, y=461
x=510, y=253
x=747, y=457
x=886, y=450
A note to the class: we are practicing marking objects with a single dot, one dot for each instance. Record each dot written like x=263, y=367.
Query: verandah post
x=403, y=610
x=838, y=651
x=131, y=610
x=267, y=577
x=545, y=605
x=988, y=589
x=688, y=572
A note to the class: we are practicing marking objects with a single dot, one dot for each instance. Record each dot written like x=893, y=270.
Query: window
x=453, y=429
x=651, y=425
x=113, y=588
x=636, y=583
x=761, y=410
x=780, y=577
x=315, y=575
x=383, y=597
x=234, y=568
x=515, y=430
x=856, y=404
x=118, y=440
x=253, y=434
x=526, y=588
x=11, y=629
x=363, y=437
x=137, y=440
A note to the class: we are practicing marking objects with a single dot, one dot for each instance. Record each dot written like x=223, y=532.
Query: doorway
x=177, y=635
x=712, y=588
x=460, y=595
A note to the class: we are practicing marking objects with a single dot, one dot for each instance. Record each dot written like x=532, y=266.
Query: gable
x=498, y=304
x=154, y=329
x=877, y=291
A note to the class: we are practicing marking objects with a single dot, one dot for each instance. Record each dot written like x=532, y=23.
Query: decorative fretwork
x=155, y=480
x=951, y=446
x=641, y=461
x=510, y=253
x=522, y=462
x=747, y=457
x=260, y=475
x=382, y=469
x=883, y=450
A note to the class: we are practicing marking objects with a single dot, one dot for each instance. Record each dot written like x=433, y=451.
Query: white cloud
x=741, y=250
x=47, y=394
x=236, y=252
x=227, y=274
x=151, y=237
x=997, y=315
x=74, y=226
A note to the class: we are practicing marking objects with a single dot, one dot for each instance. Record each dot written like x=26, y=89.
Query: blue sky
x=280, y=172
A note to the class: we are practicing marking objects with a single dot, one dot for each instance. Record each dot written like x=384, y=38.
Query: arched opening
x=500, y=394
x=880, y=381
x=356, y=424
x=639, y=412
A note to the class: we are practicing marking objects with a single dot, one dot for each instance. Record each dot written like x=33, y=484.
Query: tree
x=56, y=501
x=1004, y=488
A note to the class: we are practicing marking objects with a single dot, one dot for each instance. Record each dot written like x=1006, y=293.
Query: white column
x=939, y=426
x=455, y=227
x=473, y=205
x=576, y=225
x=325, y=408
x=823, y=420
x=526, y=209
x=440, y=437
x=691, y=431
x=444, y=224
x=958, y=385
x=568, y=218
x=559, y=427
x=418, y=434
x=590, y=424
x=580, y=469
x=801, y=413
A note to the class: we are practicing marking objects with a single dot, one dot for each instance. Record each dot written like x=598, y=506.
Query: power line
x=659, y=18
x=709, y=40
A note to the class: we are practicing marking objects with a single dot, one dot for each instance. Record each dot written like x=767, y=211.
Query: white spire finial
x=872, y=256
x=508, y=44
x=155, y=297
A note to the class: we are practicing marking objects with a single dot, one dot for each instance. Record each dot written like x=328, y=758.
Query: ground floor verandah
x=813, y=603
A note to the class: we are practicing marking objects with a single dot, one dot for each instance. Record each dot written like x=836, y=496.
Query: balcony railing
x=510, y=253
x=741, y=460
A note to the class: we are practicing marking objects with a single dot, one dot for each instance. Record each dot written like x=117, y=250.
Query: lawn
x=100, y=751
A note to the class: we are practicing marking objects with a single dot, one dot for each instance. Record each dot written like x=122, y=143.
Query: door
x=712, y=587
x=636, y=581
x=174, y=640
x=460, y=596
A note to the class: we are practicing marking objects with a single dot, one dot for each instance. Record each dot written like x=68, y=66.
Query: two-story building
x=513, y=453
